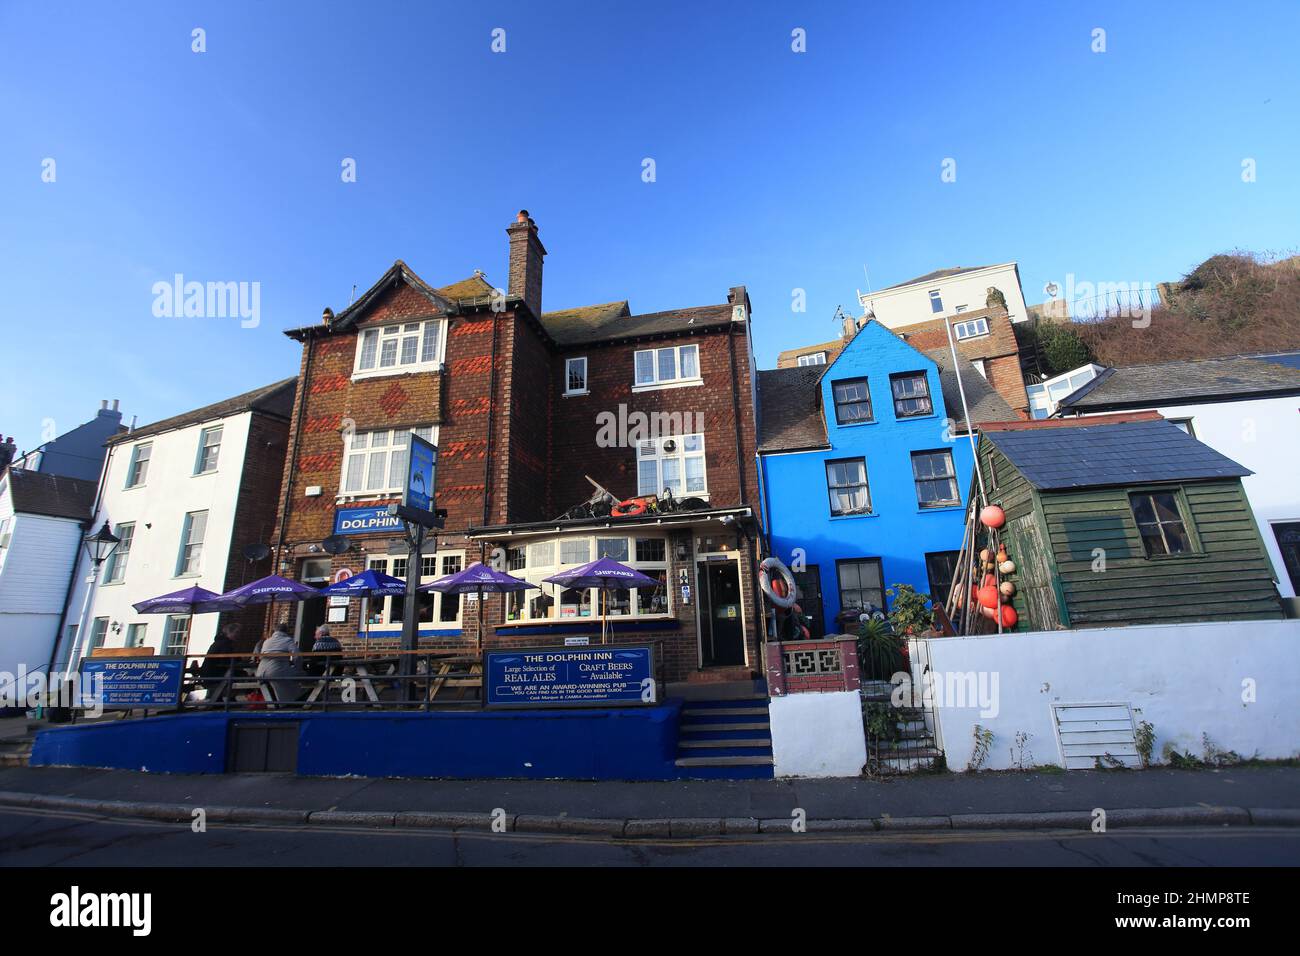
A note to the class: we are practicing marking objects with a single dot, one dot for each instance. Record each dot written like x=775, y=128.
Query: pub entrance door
x=722, y=614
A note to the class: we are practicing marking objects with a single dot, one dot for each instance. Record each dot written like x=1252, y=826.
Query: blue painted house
x=866, y=467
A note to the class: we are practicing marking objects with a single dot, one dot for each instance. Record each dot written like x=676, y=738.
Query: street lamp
x=99, y=547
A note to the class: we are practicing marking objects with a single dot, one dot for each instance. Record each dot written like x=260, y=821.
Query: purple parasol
x=191, y=600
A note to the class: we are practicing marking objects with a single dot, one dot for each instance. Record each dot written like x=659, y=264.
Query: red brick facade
x=513, y=449
x=998, y=351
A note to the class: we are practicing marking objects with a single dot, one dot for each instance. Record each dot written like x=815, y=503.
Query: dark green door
x=722, y=633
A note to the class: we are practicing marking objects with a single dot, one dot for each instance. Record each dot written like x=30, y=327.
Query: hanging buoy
x=1007, y=589
x=986, y=555
x=993, y=517
x=1007, y=567
x=988, y=596
x=1009, y=616
x=779, y=590
x=989, y=581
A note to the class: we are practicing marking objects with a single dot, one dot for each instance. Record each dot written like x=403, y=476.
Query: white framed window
x=5, y=535
x=374, y=462
x=971, y=328
x=575, y=376
x=138, y=470
x=135, y=635
x=400, y=347
x=673, y=365
x=541, y=559
x=115, y=569
x=193, y=531
x=936, y=479
x=846, y=485
x=176, y=636
x=98, y=632
x=433, y=607
x=209, y=450
x=813, y=358
x=674, y=463
x=936, y=301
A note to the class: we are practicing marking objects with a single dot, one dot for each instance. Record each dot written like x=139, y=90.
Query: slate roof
x=986, y=405
x=1181, y=382
x=613, y=320
x=931, y=276
x=37, y=493
x=277, y=399
x=789, y=415
x=1115, y=453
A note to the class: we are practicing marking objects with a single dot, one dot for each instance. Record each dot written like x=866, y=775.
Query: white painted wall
x=1185, y=679
x=170, y=491
x=34, y=572
x=910, y=304
x=1263, y=435
x=818, y=735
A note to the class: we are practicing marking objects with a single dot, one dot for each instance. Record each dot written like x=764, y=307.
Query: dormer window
x=813, y=358
x=399, y=348
x=971, y=328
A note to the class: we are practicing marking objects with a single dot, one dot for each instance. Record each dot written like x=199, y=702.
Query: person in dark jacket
x=213, y=670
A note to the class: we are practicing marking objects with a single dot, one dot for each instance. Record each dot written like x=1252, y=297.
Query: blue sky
x=774, y=169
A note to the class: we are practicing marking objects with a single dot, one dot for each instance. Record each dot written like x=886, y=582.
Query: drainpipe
x=754, y=548
x=76, y=560
x=301, y=398
x=487, y=456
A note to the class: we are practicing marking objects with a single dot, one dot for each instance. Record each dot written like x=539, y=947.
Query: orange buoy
x=988, y=596
x=993, y=517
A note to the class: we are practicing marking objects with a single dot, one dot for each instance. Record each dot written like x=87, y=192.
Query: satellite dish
x=335, y=544
x=256, y=552
x=670, y=445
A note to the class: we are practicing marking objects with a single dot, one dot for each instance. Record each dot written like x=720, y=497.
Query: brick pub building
x=525, y=406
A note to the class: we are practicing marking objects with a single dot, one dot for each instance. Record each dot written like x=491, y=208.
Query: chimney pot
x=526, y=255
x=115, y=404
x=327, y=316
x=103, y=404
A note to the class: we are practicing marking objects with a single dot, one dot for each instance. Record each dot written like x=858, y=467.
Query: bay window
x=542, y=559
x=433, y=607
x=402, y=347
x=374, y=462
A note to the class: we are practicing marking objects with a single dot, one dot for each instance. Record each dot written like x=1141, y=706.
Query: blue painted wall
x=637, y=743
x=898, y=531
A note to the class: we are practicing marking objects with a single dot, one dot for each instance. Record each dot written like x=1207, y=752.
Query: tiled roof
x=985, y=404
x=36, y=493
x=1091, y=454
x=790, y=418
x=276, y=399
x=790, y=357
x=613, y=320
x=1181, y=382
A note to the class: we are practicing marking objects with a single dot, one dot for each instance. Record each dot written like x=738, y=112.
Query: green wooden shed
x=1124, y=519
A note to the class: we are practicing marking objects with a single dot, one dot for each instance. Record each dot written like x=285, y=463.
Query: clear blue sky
x=775, y=170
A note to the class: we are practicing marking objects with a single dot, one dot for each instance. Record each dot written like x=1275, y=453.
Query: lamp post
x=99, y=546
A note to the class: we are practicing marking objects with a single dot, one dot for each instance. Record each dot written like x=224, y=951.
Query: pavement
x=1267, y=796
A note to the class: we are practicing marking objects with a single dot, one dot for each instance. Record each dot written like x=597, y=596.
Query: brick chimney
x=526, y=254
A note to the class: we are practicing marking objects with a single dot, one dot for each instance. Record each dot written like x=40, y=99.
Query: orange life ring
x=628, y=509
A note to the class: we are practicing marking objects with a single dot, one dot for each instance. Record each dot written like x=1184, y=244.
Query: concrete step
x=739, y=743
x=724, y=761
x=697, y=712
x=707, y=727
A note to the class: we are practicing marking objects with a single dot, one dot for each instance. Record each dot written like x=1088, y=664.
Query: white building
x=946, y=292
x=1044, y=396
x=1246, y=407
x=185, y=495
x=42, y=521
